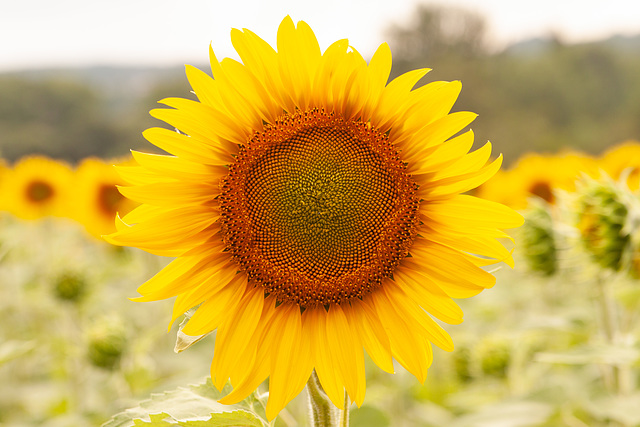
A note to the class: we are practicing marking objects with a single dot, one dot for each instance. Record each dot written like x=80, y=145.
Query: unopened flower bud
x=538, y=240
x=602, y=218
x=106, y=342
x=495, y=356
x=70, y=286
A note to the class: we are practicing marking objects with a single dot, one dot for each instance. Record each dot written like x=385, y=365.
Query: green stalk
x=344, y=413
x=323, y=412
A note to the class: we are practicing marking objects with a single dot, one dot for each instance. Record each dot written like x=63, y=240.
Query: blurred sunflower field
x=555, y=343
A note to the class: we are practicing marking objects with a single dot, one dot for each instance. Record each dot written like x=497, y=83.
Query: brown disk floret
x=39, y=191
x=108, y=198
x=318, y=209
x=542, y=190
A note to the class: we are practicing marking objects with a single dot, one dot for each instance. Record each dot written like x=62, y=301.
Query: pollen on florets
x=318, y=209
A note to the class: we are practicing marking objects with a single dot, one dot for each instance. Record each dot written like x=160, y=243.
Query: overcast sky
x=45, y=33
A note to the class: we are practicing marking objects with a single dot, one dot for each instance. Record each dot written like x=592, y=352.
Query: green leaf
x=195, y=405
x=224, y=419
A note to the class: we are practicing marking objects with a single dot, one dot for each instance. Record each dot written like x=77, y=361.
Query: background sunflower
x=96, y=197
x=37, y=187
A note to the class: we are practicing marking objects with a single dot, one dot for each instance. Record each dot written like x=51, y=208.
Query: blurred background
x=78, y=78
x=556, y=84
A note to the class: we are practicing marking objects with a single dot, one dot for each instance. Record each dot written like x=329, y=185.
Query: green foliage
x=228, y=419
x=107, y=341
x=602, y=223
x=188, y=406
x=538, y=241
x=61, y=118
x=75, y=114
x=70, y=286
x=495, y=356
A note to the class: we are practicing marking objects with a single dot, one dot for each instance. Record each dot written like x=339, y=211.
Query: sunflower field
x=555, y=342
x=313, y=230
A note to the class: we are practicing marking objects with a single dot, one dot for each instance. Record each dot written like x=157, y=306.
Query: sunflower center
x=108, y=199
x=318, y=209
x=542, y=190
x=39, y=191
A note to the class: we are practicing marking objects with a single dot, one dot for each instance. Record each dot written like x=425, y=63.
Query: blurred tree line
x=539, y=95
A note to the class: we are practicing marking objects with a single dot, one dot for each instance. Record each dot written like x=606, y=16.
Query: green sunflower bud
x=494, y=355
x=602, y=218
x=462, y=363
x=538, y=240
x=106, y=342
x=70, y=286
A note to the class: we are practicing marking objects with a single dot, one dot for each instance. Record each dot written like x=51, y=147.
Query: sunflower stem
x=344, y=413
x=323, y=412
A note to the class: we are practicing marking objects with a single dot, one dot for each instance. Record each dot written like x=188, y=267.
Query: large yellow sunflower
x=97, y=199
x=314, y=210
x=36, y=187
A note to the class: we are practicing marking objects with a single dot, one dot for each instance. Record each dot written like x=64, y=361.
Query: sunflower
x=624, y=157
x=540, y=175
x=97, y=198
x=36, y=187
x=314, y=210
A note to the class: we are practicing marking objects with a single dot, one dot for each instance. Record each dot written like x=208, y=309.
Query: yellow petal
x=211, y=312
x=437, y=133
x=234, y=333
x=286, y=377
x=451, y=270
x=298, y=57
x=187, y=147
x=325, y=366
x=179, y=228
x=428, y=104
x=428, y=295
x=414, y=314
x=372, y=333
x=394, y=98
x=203, y=291
x=178, y=168
x=192, y=116
x=262, y=61
x=137, y=175
x=433, y=159
x=448, y=187
x=472, y=212
x=346, y=350
x=171, y=193
x=409, y=348
x=181, y=275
